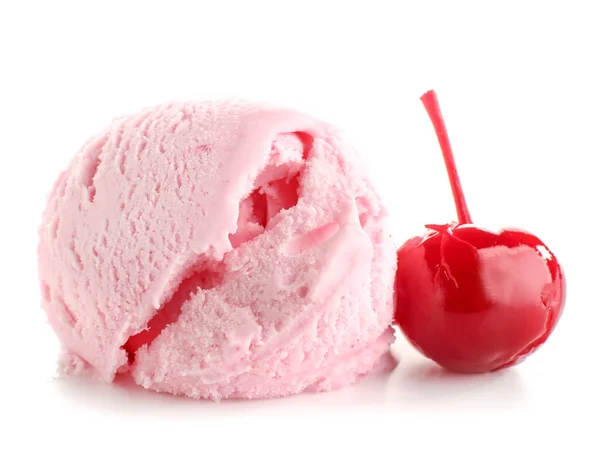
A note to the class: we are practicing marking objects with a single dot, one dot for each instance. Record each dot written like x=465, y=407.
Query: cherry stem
x=432, y=106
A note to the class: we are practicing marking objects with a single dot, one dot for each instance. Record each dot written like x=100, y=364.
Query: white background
x=519, y=88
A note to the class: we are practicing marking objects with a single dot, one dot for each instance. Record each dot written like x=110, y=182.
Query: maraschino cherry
x=473, y=300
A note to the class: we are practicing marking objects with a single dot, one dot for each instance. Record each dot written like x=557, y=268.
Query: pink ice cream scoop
x=219, y=250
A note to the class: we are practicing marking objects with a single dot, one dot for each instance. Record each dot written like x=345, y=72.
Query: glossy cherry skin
x=477, y=301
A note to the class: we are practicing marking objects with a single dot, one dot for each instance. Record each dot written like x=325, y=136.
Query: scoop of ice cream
x=219, y=250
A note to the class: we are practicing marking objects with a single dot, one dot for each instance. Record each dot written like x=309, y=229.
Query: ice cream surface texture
x=219, y=250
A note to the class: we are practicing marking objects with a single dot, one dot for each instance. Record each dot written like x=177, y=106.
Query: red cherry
x=473, y=300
